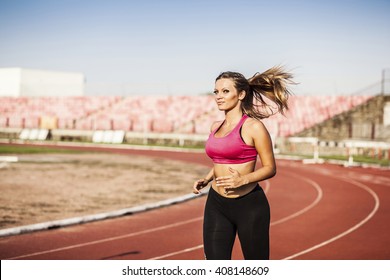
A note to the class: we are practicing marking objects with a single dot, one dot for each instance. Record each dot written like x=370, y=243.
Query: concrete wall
x=17, y=82
x=369, y=121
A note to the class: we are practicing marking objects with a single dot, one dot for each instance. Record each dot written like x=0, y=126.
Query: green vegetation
x=21, y=149
x=170, y=145
x=8, y=149
x=359, y=159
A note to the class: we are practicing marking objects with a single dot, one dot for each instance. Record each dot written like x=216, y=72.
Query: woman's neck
x=233, y=116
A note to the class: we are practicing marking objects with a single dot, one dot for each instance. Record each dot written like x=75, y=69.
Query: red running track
x=318, y=212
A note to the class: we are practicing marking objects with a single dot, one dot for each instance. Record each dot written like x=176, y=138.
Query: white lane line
x=97, y=217
x=266, y=188
x=300, y=212
x=109, y=239
x=358, y=225
x=177, y=252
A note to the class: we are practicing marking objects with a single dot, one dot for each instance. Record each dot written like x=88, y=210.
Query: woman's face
x=226, y=95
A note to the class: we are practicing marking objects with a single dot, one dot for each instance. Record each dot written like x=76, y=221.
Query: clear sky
x=179, y=47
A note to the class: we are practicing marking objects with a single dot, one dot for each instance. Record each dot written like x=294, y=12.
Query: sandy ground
x=45, y=187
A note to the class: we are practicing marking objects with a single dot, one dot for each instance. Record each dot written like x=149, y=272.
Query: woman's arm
x=263, y=144
x=202, y=183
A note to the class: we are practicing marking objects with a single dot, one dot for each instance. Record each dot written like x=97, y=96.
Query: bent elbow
x=272, y=172
x=268, y=172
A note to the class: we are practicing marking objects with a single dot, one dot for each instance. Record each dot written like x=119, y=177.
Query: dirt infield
x=45, y=187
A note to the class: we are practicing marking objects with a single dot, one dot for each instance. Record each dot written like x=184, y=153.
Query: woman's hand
x=235, y=180
x=200, y=184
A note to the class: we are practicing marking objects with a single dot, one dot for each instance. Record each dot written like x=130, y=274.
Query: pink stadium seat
x=181, y=114
x=32, y=122
x=66, y=123
x=16, y=121
x=123, y=124
x=102, y=123
x=162, y=126
x=3, y=121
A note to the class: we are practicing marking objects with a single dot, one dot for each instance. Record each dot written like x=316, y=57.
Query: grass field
x=5, y=149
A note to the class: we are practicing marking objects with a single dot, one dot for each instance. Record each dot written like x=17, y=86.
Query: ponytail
x=271, y=85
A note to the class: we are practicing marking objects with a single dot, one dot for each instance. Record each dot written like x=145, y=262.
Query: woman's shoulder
x=254, y=125
x=215, y=125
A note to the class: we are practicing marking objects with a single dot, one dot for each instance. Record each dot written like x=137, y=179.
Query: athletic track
x=318, y=212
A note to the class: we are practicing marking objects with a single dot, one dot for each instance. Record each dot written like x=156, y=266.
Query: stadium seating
x=161, y=114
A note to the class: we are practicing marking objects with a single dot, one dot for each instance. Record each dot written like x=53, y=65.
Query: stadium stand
x=313, y=125
x=167, y=114
x=27, y=112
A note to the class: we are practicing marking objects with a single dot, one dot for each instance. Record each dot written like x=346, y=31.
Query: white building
x=17, y=82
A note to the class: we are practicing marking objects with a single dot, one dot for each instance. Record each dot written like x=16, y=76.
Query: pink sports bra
x=231, y=148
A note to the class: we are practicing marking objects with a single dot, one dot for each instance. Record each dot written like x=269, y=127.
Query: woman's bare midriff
x=221, y=170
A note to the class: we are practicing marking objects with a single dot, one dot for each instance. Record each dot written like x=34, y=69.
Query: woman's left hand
x=235, y=180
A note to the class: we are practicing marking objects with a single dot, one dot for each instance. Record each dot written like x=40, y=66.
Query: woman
x=236, y=203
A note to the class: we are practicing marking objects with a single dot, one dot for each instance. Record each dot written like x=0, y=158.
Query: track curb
x=98, y=217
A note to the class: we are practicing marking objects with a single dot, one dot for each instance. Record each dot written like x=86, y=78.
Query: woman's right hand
x=200, y=184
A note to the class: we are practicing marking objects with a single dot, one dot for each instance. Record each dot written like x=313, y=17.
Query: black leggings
x=249, y=216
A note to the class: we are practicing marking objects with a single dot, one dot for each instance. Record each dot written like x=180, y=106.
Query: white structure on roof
x=17, y=82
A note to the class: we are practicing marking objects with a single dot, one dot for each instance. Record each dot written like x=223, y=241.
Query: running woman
x=236, y=204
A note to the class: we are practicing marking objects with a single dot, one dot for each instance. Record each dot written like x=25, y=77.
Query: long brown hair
x=271, y=85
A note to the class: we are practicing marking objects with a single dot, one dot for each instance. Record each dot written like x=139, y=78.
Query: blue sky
x=179, y=47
